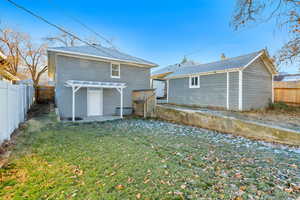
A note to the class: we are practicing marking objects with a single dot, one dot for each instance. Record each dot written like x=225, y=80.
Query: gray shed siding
x=69, y=68
x=257, y=86
x=212, y=91
x=233, y=90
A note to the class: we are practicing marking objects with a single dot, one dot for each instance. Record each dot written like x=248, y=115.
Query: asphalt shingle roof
x=103, y=52
x=229, y=63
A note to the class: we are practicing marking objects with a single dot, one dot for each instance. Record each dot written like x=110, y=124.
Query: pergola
x=76, y=85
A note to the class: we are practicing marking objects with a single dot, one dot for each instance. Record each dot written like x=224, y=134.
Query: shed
x=240, y=83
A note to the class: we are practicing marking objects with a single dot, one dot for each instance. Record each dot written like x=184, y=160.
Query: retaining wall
x=235, y=126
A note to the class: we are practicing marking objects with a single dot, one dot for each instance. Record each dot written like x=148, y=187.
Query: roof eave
x=205, y=73
x=101, y=57
x=271, y=67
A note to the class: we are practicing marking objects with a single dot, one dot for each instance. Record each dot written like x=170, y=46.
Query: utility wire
x=84, y=25
x=56, y=26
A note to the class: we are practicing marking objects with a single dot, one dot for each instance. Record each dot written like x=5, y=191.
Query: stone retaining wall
x=230, y=125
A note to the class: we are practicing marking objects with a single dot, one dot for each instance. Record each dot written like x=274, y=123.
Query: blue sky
x=159, y=31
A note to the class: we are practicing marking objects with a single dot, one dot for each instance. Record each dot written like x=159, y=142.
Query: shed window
x=115, y=70
x=195, y=82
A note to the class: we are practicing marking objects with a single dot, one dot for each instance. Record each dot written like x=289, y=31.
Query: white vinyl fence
x=15, y=101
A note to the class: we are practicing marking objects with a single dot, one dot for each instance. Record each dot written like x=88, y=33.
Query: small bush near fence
x=15, y=101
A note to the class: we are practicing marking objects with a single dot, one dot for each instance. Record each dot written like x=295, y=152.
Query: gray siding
x=257, y=86
x=234, y=90
x=69, y=68
x=212, y=91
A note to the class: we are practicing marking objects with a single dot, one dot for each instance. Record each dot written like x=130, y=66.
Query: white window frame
x=190, y=82
x=111, y=70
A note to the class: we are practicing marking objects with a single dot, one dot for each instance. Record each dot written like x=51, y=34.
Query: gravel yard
x=145, y=159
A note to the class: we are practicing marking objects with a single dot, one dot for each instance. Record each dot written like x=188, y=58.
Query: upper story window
x=115, y=70
x=194, y=81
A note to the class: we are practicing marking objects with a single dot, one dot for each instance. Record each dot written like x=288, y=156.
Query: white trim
x=120, y=90
x=198, y=81
x=205, y=73
x=272, y=71
x=268, y=68
x=227, y=91
x=255, y=58
x=71, y=53
x=111, y=70
x=241, y=90
x=74, y=90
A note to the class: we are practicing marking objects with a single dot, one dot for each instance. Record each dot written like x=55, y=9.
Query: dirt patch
x=291, y=117
x=231, y=122
x=281, y=116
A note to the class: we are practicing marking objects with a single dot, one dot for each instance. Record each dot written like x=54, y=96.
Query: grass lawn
x=144, y=159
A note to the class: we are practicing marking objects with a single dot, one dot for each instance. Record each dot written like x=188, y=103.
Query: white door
x=95, y=102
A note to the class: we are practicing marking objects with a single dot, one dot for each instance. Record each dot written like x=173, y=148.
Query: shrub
x=279, y=106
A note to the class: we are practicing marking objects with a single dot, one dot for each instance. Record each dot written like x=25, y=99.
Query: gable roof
x=99, y=51
x=171, y=68
x=229, y=64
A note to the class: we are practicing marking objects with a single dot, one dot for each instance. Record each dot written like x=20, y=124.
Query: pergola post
x=73, y=104
x=74, y=90
x=120, y=90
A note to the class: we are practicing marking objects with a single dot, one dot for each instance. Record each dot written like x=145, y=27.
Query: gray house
x=95, y=80
x=239, y=83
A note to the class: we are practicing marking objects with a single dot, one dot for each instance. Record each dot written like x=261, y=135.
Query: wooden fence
x=45, y=94
x=15, y=101
x=287, y=92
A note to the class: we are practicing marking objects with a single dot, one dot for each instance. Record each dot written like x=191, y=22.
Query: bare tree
x=67, y=40
x=63, y=39
x=286, y=14
x=10, y=45
x=34, y=57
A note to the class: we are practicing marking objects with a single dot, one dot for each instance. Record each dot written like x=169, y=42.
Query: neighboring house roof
x=287, y=77
x=8, y=75
x=229, y=64
x=99, y=51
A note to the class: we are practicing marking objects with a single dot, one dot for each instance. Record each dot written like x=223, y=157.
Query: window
x=115, y=70
x=194, y=81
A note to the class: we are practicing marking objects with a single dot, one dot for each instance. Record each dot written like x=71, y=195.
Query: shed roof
x=228, y=64
x=102, y=52
x=222, y=65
